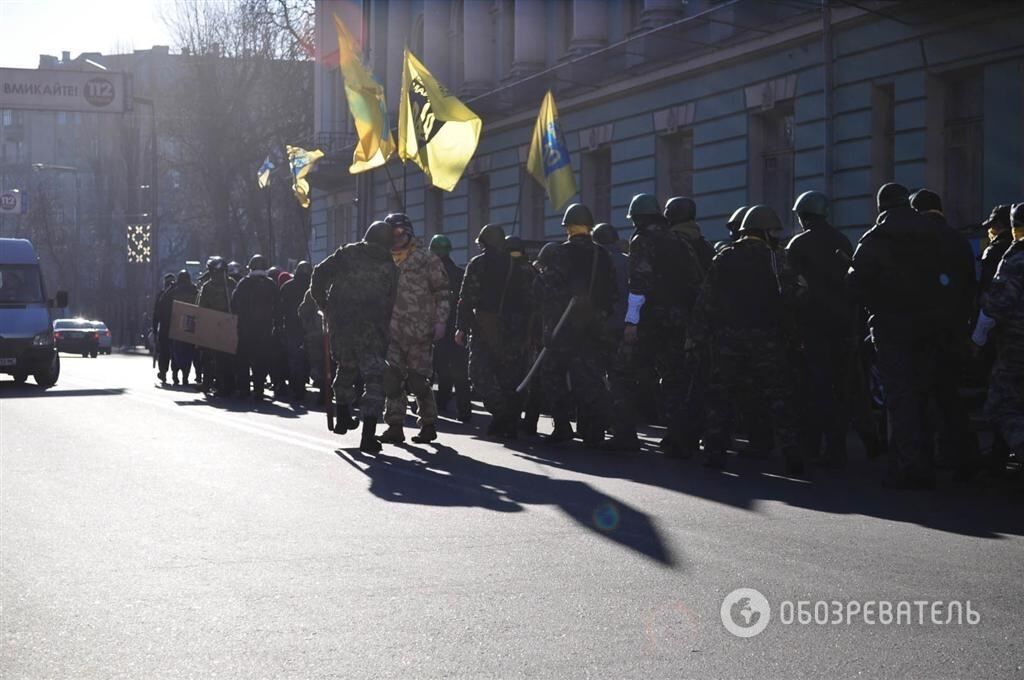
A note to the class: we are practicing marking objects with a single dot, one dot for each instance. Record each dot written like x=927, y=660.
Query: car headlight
x=44, y=339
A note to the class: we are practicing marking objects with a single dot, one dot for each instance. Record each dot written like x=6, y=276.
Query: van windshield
x=20, y=284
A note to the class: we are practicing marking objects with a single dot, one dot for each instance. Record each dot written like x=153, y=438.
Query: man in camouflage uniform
x=419, y=319
x=218, y=367
x=581, y=271
x=1003, y=308
x=355, y=288
x=451, y=362
x=743, y=315
x=493, y=303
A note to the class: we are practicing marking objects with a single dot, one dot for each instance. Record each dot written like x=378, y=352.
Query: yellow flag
x=435, y=130
x=366, y=103
x=301, y=162
x=548, y=161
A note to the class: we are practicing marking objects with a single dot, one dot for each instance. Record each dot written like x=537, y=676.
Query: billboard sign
x=60, y=90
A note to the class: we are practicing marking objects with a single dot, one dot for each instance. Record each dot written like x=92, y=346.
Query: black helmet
x=272, y=273
x=216, y=264
x=733, y=225
x=760, y=218
x=380, y=233
x=577, y=213
x=184, y=276
x=643, y=205
x=605, y=234
x=257, y=262
x=924, y=200
x=891, y=196
x=234, y=268
x=400, y=220
x=811, y=203
x=491, y=236
x=303, y=270
x=1017, y=216
x=547, y=254
x=1000, y=218
x=514, y=244
x=169, y=278
x=680, y=209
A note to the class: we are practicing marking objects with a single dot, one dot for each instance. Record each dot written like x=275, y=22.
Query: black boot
x=428, y=433
x=343, y=420
x=395, y=434
x=368, y=442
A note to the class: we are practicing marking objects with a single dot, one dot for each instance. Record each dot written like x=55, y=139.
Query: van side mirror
x=62, y=299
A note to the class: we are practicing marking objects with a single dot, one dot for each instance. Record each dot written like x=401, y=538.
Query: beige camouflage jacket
x=422, y=298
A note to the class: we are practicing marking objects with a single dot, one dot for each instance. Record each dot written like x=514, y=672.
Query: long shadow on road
x=443, y=477
x=11, y=390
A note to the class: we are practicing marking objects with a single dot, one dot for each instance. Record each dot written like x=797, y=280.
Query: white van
x=26, y=331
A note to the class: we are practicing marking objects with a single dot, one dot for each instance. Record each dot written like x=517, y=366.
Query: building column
x=531, y=29
x=589, y=25
x=436, y=22
x=399, y=25
x=478, y=48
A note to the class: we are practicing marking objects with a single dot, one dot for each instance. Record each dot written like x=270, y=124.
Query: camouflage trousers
x=1005, y=406
x=757, y=364
x=357, y=357
x=576, y=377
x=408, y=369
x=495, y=377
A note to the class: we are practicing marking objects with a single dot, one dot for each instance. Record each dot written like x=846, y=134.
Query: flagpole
x=519, y=200
x=405, y=184
x=391, y=179
x=270, y=225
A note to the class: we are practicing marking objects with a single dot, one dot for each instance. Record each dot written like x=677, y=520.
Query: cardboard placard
x=204, y=327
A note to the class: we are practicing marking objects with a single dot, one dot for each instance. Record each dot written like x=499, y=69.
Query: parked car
x=76, y=336
x=106, y=341
x=26, y=338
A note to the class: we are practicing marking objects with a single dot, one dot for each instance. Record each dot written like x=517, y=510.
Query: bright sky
x=33, y=27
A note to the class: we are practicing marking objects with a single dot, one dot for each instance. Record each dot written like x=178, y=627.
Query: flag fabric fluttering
x=263, y=174
x=301, y=162
x=548, y=161
x=365, y=97
x=436, y=131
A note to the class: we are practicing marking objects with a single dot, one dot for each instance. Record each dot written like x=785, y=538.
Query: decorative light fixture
x=139, y=245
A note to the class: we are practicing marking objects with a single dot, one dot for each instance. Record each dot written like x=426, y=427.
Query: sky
x=33, y=27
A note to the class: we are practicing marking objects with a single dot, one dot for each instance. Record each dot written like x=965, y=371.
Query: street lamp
x=78, y=209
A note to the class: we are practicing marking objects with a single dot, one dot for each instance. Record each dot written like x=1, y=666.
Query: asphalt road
x=146, y=533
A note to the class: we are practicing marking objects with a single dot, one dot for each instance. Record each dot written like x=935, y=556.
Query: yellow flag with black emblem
x=435, y=130
x=301, y=162
x=548, y=161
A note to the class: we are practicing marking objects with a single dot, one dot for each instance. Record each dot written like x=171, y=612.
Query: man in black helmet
x=292, y=293
x=215, y=293
x=733, y=225
x=355, y=288
x=493, y=303
x=255, y=301
x=743, y=316
x=581, y=271
x=162, y=327
x=826, y=323
x=891, y=276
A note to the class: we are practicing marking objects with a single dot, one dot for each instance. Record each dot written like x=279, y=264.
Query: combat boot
x=368, y=442
x=395, y=434
x=343, y=420
x=623, y=439
x=428, y=433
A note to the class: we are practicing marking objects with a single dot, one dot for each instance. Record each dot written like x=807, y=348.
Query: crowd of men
x=749, y=344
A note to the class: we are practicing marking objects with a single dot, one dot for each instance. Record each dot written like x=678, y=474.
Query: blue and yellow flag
x=365, y=98
x=301, y=162
x=263, y=174
x=548, y=161
x=436, y=131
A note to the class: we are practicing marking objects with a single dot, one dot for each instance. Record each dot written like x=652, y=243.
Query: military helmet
x=216, y=263
x=169, y=278
x=272, y=272
x=643, y=205
x=605, y=234
x=303, y=269
x=811, y=203
x=514, y=244
x=924, y=200
x=891, y=196
x=680, y=209
x=491, y=236
x=400, y=220
x=577, y=213
x=760, y=218
x=736, y=220
x=441, y=245
x=257, y=262
x=1017, y=216
x=184, y=276
x=547, y=254
x=380, y=233
x=234, y=268
x=1000, y=217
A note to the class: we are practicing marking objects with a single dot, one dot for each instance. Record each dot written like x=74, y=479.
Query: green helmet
x=440, y=245
x=492, y=236
x=680, y=209
x=760, y=218
x=605, y=234
x=811, y=203
x=643, y=205
x=577, y=213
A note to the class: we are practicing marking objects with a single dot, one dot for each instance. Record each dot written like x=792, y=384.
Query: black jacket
x=825, y=308
x=256, y=302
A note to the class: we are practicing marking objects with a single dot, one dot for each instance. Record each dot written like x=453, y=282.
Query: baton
x=327, y=377
x=544, y=351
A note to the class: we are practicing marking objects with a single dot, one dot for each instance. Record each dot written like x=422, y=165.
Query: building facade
x=733, y=103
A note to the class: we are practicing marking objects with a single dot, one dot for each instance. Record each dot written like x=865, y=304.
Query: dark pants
x=181, y=358
x=451, y=366
x=255, y=352
x=495, y=377
x=903, y=367
x=163, y=353
x=827, y=363
x=298, y=365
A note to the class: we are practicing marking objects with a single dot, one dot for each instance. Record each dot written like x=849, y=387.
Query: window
x=883, y=135
x=531, y=206
x=340, y=224
x=479, y=202
x=963, y=148
x=674, y=164
x=770, y=167
x=433, y=211
x=596, y=175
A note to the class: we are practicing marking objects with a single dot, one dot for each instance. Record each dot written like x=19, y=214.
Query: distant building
x=724, y=101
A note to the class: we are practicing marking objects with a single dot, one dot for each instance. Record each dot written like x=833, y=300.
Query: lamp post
x=38, y=167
